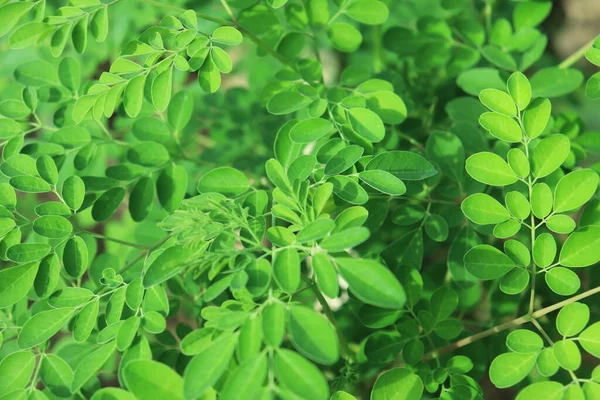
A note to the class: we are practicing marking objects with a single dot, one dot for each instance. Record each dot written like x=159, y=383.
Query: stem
x=510, y=324
x=346, y=352
x=143, y=254
x=123, y=242
x=573, y=58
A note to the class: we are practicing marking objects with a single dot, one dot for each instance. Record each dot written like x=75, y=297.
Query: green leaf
x=366, y=124
x=524, y=341
x=286, y=269
x=27, y=252
x=311, y=129
x=443, y=303
x=541, y=200
x=517, y=205
x=91, y=364
x=572, y=318
x=369, y=12
x=545, y=390
x=383, y=181
x=314, y=231
x=473, y=81
x=10, y=14
x=209, y=77
x=162, y=86
x=46, y=168
x=446, y=151
x=580, y=248
x=345, y=239
x=30, y=184
x=171, y=187
x=519, y=89
x=544, y=250
x=107, y=203
x=75, y=256
x=42, y=326
x=575, y=189
x=86, y=321
x=589, y=339
x=287, y=102
x=560, y=223
x=168, y=263
x=546, y=362
x=327, y=279
x=486, y=262
x=224, y=180
x=348, y=190
x=555, y=81
x=73, y=192
x=515, y=281
x=147, y=379
x=227, y=35
x=562, y=281
x=28, y=34
x=491, y=169
x=148, y=154
x=397, y=383
x=403, y=165
x=510, y=368
x=530, y=14
x=99, y=24
x=71, y=137
x=300, y=376
x=70, y=297
x=79, y=35
x=47, y=276
x=387, y=105
x=343, y=159
x=15, y=282
x=206, y=368
x=133, y=96
x=502, y=127
x=246, y=380
x=16, y=370
x=498, y=101
x=436, y=227
x=483, y=209
x=140, y=199
x=567, y=354
x=180, y=110
x=536, y=117
x=52, y=226
x=372, y=283
x=312, y=335
x=549, y=154
x=57, y=375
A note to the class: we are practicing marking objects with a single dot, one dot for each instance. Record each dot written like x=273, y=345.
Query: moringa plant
x=296, y=199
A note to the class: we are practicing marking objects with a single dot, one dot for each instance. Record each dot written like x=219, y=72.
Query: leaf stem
x=507, y=325
x=115, y=240
x=573, y=58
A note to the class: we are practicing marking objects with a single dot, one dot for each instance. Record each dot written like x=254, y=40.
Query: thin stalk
x=507, y=325
x=115, y=240
x=573, y=58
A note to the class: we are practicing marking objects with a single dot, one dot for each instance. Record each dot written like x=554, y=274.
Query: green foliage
x=290, y=199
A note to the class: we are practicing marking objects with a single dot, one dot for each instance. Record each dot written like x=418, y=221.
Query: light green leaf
x=397, y=384
x=286, y=269
x=366, y=124
x=483, y=209
x=73, y=192
x=589, y=339
x=312, y=335
x=572, y=318
x=16, y=370
x=491, y=169
x=498, y=101
x=75, y=256
x=300, y=376
x=510, y=368
x=486, y=262
x=502, y=127
x=519, y=89
x=541, y=200
x=91, y=364
x=567, y=354
x=549, y=154
x=403, y=165
x=575, y=189
x=52, y=226
x=555, y=81
x=206, y=368
x=224, y=180
x=581, y=248
x=151, y=379
x=42, y=326
x=544, y=250
x=562, y=281
x=311, y=129
x=372, y=283
x=524, y=341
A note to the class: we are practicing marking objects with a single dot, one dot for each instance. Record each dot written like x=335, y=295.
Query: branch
x=573, y=58
x=510, y=324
